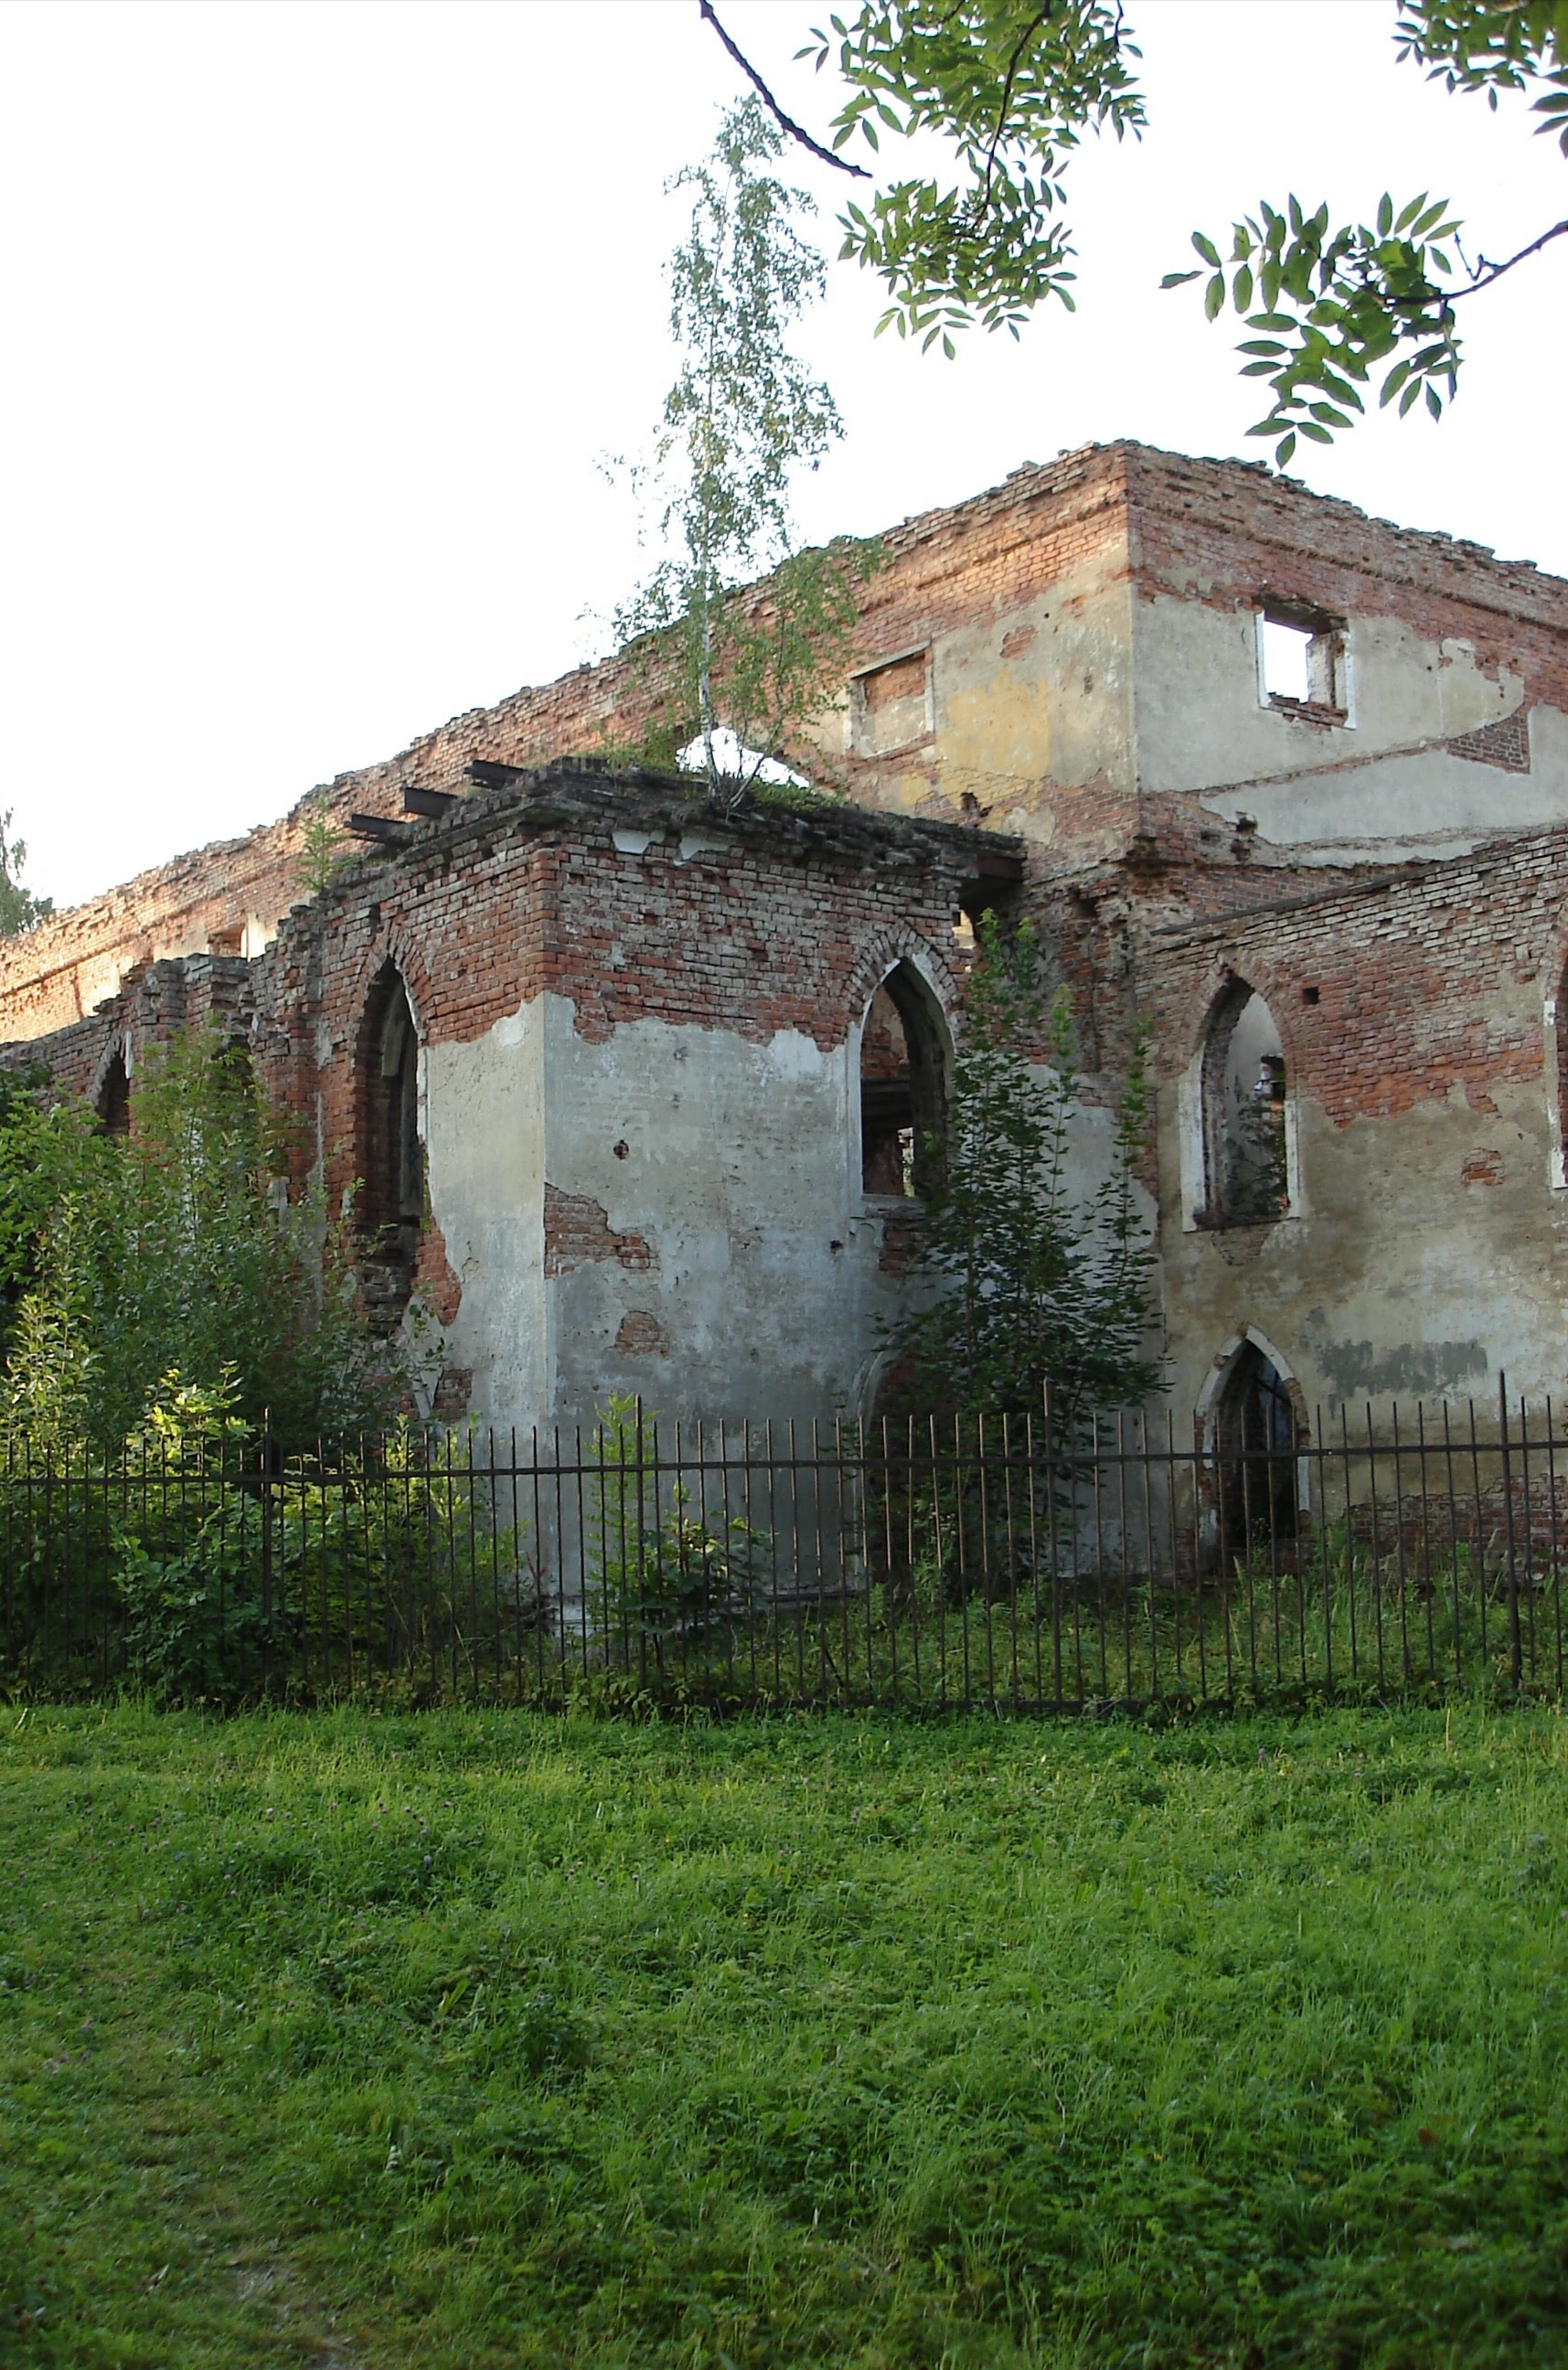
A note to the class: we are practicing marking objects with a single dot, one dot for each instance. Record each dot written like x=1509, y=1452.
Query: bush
x=174, y=1250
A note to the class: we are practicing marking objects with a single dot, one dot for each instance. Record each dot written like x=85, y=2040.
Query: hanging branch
x=787, y=123
x=1485, y=273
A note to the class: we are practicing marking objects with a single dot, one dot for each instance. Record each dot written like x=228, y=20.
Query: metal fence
x=1012, y=1562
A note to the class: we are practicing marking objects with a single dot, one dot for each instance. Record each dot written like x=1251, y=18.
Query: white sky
x=319, y=313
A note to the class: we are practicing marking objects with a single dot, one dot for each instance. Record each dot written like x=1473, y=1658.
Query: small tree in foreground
x=1037, y=1288
x=167, y=1256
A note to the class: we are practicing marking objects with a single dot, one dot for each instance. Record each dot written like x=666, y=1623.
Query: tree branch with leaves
x=19, y=909
x=1012, y=87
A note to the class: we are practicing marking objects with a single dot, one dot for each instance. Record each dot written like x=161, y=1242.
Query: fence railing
x=944, y=1562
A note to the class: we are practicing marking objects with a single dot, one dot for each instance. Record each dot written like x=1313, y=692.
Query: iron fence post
x=1515, y=1650
x=267, y=1552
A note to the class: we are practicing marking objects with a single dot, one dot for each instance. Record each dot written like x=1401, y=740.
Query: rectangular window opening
x=890, y=703
x=1301, y=661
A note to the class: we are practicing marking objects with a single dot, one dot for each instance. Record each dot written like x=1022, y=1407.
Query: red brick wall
x=790, y=927
x=1434, y=980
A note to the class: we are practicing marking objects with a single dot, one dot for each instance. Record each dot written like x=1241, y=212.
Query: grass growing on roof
x=486, y=2038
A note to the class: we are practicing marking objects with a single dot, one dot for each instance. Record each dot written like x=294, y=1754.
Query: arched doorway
x=903, y=1061
x=1257, y=1437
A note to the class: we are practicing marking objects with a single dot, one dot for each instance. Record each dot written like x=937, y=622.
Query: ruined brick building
x=635, y=1083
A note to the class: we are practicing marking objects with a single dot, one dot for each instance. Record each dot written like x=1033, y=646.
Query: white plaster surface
x=1201, y=725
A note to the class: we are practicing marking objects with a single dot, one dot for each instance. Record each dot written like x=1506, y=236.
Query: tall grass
x=485, y=2039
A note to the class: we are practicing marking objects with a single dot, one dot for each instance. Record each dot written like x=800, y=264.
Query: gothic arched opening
x=113, y=1101
x=904, y=1055
x=1243, y=1087
x=1257, y=1439
x=390, y=1208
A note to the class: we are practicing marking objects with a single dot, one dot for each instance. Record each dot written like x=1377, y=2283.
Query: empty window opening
x=889, y=705
x=114, y=1099
x=391, y=1203
x=229, y=941
x=1244, y=1111
x=1302, y=661
x=903, y=1085
x=1258, y=1438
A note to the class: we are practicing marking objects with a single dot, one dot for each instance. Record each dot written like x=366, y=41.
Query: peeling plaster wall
x=1427, y=1242
x=1380, y=784
x=482, y=1111
x=638, y=1029
x=762, y=1285
x=1402, y=1277
x=1028, y=708
x=638, y=1015
x=697, y=1235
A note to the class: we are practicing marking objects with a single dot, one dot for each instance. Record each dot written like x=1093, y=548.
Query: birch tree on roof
x=743, y=417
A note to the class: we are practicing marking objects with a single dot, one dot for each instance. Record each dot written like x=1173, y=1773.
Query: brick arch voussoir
x=118, y=1047
x=391, y=952
x=881, y=953
x=363, y=1009
x=1264, y=979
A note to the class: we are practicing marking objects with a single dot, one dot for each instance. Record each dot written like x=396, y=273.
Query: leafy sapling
x=753, y=662
x=1040, y=1288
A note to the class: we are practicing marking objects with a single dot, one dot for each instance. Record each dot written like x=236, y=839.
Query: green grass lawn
x=486, y=2038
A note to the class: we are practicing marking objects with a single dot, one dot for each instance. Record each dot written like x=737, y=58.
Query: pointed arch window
x=1257, y=1439
x=391, y=1156
x=113, y=1102
x=904, y=1065
x=1246, y=1165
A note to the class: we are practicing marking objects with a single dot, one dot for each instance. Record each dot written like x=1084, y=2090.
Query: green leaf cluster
x=1328, y=306
x=174, y=1250
x=1011, y=86
x=661, y=1570
x=1006, y=90
x=1493, y=45
x=223, y=1572
x=321, y=847
x=19, y=909
x=1039, y=1287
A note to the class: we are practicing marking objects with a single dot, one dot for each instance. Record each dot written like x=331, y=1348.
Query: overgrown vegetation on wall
x=1038, y=1289
x=127, y=1260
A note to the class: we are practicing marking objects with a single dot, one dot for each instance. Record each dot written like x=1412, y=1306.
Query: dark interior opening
x=903, y=1086
x=391, y=1203
x=114, y=1098
x=1246, y=1179
x=1256, y=1451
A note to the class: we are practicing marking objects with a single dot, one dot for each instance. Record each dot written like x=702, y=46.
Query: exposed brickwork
x=578, y=1231
x=641, y=1335
x=1428, y=983
x=1220, y=532
x=752, y=921
x=1396, y=987
x=1483, y=1169
x=436, y=1283
x=1505, y=743
x=449, y=1401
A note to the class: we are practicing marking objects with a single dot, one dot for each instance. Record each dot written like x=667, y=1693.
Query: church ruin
x=633, y=1084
